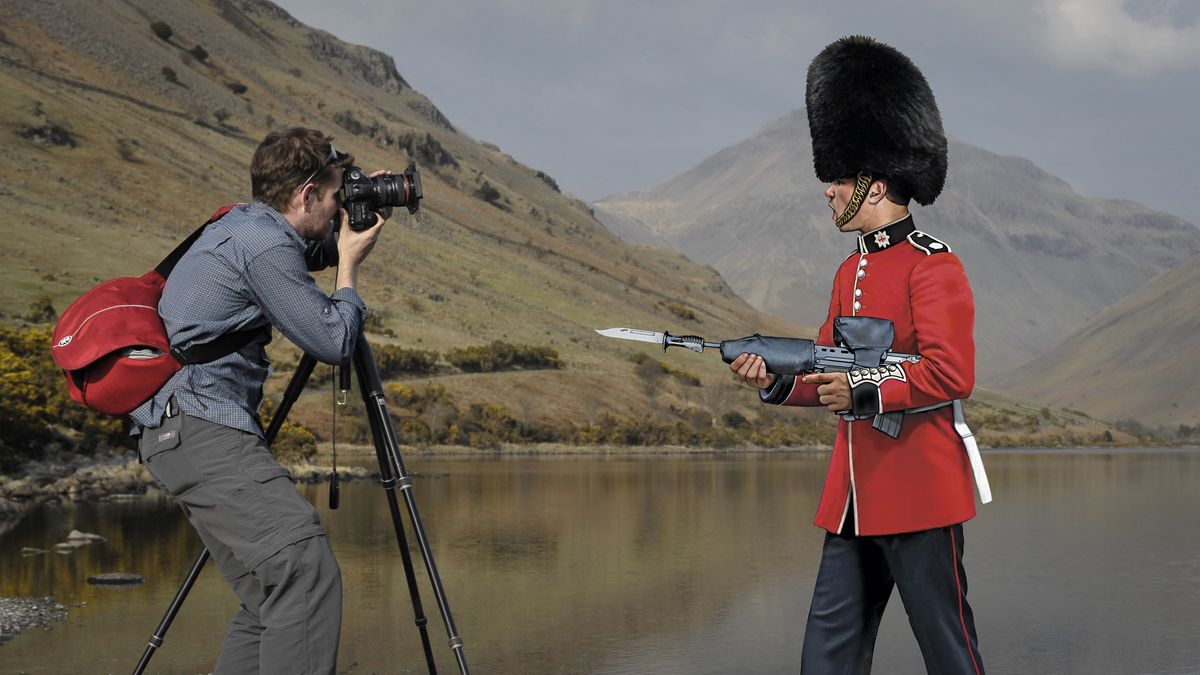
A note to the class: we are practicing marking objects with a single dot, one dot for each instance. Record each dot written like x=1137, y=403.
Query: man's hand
x=751, y=369
x=834, y=390
x=353, y=248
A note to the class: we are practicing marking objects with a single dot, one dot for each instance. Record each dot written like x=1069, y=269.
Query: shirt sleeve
x=324, y=327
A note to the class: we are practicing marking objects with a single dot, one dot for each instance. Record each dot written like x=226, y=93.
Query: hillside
x=121, y=140
x=1135, y=360
x=1041, y=257
x=118, y=143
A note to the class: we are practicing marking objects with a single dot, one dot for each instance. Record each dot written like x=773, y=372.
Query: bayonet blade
x=653, y=337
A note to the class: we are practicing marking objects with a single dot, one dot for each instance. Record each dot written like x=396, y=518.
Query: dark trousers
x=853, y=586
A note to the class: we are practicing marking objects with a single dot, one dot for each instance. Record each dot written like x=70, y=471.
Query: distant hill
x=1041, y=257
x=119, y=140
x=1136, y=360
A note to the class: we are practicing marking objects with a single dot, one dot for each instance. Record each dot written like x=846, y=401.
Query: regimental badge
x=882, y=240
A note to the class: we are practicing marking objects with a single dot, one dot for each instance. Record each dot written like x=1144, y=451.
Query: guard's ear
x=877, y=191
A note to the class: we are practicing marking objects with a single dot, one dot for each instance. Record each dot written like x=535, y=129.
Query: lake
x=1086, y=562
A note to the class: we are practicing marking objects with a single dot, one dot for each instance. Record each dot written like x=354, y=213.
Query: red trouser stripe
x=958, y=584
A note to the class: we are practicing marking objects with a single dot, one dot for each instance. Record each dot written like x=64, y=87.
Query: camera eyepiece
x=363, y=195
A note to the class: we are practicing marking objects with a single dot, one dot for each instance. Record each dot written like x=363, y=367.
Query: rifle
x=863, y=351
x=865, y=344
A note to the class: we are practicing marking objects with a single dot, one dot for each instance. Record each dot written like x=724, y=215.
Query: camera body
x=363, y=195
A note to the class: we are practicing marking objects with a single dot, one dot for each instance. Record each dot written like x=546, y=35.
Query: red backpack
x=112, y=344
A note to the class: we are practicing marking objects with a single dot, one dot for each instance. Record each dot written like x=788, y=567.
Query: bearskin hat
x=871, y=111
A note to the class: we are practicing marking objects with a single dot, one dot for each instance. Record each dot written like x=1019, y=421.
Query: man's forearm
x=347, y=276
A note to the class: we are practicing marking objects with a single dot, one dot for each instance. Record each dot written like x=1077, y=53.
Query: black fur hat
x=871, y=111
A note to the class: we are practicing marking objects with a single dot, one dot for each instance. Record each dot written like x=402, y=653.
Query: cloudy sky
x=615, y=95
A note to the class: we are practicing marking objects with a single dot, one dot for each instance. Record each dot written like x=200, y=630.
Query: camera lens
x=390, y=191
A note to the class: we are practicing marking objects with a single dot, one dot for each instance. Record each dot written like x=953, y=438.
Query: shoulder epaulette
x=927, y=243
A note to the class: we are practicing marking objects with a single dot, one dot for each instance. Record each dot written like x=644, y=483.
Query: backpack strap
x=168, y=263
x=219, y=348
x=226, y=344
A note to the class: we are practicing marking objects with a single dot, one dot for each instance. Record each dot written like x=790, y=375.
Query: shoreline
x=65, y=477
x=114, y=474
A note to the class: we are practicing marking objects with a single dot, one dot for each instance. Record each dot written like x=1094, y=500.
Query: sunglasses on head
x=333, y=157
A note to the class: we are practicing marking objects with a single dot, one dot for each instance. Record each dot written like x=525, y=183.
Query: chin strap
x=860, y=193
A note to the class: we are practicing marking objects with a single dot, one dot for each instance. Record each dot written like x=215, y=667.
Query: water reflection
x=1086, y=563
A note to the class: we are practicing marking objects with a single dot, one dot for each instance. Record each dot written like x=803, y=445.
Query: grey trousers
x=267, y=541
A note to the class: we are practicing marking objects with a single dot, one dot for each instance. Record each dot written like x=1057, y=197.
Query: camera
x=362, y=195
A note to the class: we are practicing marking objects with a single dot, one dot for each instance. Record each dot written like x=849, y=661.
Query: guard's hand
x=834, y=390
x=385, y=212
x=752, y=370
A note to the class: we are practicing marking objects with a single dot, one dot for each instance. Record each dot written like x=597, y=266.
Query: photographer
x=201, y=437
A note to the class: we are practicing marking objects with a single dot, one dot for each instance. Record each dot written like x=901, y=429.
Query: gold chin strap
x=860, y=193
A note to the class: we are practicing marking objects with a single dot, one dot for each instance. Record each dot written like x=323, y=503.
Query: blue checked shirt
x=245, y=271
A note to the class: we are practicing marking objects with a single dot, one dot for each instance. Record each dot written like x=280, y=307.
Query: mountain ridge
x=1041, y=258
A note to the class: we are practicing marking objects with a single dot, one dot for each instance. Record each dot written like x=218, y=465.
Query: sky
x=610, y=96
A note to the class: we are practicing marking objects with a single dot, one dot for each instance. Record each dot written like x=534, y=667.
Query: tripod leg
x=421, y=621
x=160, y=633
x=295, y=386
x=394, y=473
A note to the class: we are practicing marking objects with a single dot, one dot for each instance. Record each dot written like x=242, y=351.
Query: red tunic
x=922, y=479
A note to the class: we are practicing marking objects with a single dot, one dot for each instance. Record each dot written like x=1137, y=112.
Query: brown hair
x=287, y=157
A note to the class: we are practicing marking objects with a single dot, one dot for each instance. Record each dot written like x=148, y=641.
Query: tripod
x=392, y=474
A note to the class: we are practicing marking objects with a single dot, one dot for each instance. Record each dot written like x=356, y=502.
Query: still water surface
x=1087, y=562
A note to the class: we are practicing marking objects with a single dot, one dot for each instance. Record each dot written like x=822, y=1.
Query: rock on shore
x=19, y=614
x=63, y=477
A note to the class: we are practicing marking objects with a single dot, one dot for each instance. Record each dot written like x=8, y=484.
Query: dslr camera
x=362, y=195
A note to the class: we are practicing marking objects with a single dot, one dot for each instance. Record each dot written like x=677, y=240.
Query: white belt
x=981, y=480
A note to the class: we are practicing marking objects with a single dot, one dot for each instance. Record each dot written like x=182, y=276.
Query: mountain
x=127, y=123
x=1041, y=257
x=1135, y=360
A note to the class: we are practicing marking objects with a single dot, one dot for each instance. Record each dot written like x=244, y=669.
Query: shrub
x=374, y=324
x=42, y=310
x=162, y=30
x=236, y=87
x=393, y=361
x=199, y=53
x=735, y=420
x=488, y=193
x=127, y=149
x=35, y=410
x=169, y=74
x=500, y=355
x=681, y=311
x=294, y=441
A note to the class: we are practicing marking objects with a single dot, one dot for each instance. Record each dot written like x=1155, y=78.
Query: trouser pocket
x=166, y=458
